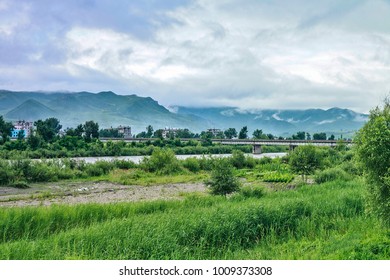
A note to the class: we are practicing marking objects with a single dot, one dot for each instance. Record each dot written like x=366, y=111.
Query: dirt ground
x=91, y=192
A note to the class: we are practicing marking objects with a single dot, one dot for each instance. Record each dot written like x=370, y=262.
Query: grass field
x=326, y=221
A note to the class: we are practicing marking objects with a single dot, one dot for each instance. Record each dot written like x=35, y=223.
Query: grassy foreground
x=324, y=221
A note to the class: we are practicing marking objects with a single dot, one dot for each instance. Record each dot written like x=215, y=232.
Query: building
x=125, y=131
x=169, y=132
x=215, y=131
x=24, y=126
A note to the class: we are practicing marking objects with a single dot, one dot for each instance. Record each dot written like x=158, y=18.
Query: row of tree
x=50, y=128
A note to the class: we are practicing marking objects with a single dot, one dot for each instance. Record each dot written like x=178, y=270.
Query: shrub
x=162, y=161
x=222, y=180
x=252, y=191
x=124, y=164
x=192, y=164
x=237, y=159
x=331, y=174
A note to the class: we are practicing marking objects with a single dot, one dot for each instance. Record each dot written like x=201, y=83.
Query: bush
x=124, y=164
x=237, y=159
x=331, y=174
x=222, y=181
x=192, y=164
x=252, y=191
x=162, y=161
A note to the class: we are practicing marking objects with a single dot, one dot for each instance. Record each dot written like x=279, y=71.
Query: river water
x=138, y=159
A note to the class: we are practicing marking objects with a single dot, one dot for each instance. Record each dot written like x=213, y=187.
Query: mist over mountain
x=112, y=110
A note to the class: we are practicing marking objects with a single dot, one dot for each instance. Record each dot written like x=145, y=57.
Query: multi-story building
x=169, y=132
x=125, y=131
x=24, y=126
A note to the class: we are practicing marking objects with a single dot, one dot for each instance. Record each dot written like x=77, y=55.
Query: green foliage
x=276, y=177
x=304, y=160
x=252, y=191
x=91, y=130
x=48, y=129
x=243, y=133
x=230, y=133
x=192, y=164
x=222, y=180
x=319, y=136
x=331, y=174
x=373, y=154
x=238, y=159
x=5, y=130
x=325, y=222
x=162, y=161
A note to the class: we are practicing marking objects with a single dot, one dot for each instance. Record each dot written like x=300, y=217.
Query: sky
x=251, y=54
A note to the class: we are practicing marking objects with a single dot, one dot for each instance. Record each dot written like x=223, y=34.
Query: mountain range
x=112, y=110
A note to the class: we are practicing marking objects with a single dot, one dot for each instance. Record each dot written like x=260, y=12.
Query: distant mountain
x=30, y=109
x=281, y=122
x=106, y=108
x=111, y=110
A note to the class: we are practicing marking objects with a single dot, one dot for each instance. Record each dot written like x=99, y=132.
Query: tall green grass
x=201, y=227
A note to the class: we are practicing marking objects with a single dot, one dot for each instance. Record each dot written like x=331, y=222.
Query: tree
x=304, y=160
x=332, y=137
x=299, y=136
x=373, y=153
x=222, y=181
x=206, y=137
x=48, y=129
x=308, y=136
x=91, y=130
x=230, y=133
x=5, y=130
x=243, y=133
x=319, y=136
x=258, y=134
x=149, y=131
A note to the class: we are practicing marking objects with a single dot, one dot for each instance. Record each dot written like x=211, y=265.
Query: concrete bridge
x=256, y=143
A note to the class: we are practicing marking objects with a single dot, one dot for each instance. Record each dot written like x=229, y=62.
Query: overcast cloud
x=250, y=54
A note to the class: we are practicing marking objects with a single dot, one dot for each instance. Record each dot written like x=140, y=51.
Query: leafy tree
x=48, y=129
x=158, y=134
x=91, y=130
x=149, y=131
x=258, y=134
x=319, y=136
x=243, y=133
x=110, y=133
x=308, y=136
x=270, y=136
x=373, y=153
x=304, y=160
x=222, y=181
x=20, y=135
x=230, y=133
x=299, y=136
x=332, y=137
x=219, y=135
x=5, y=130
x=206, y=137
x=184, y=133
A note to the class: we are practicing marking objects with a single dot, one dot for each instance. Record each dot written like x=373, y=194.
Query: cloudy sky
x=246, y=53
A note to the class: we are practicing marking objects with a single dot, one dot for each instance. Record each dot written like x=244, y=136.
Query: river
x=138, y=159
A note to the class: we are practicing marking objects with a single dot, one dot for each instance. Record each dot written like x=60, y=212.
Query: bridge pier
x=292, y=147
x=256, y=149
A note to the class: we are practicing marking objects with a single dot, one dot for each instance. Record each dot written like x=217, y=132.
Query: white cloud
x=251, y=54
